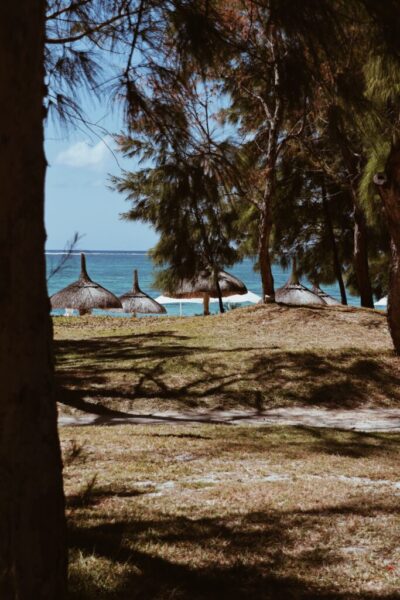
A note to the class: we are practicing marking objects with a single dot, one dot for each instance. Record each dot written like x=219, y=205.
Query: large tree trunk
x=32, y=527
x=274, y=116
x=264, y=235
x=219, y=292
x=335, y=255
x=360, y=252
x=206, y=304
x=393, y=305
x=389, y=189
x=361, y=265
x=264, y=258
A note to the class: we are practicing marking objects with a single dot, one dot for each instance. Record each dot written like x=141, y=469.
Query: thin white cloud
x=83, y=154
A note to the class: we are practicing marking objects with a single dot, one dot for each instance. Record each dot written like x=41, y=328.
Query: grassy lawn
x=215, y=511
x=247, y=359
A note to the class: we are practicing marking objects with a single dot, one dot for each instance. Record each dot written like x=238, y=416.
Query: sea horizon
x=86, y=251
x=113, y=269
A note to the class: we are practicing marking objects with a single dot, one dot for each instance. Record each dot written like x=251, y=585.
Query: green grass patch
x=210, y=511
x=200, y=512
x=249, y=359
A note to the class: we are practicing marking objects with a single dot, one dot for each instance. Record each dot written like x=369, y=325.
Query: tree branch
x=88, y=32
x=69, y=8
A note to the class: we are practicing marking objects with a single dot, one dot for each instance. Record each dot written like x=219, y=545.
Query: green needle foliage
x=188, y=193
x=309, y=97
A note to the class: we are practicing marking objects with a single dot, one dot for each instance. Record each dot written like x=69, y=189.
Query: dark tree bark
x=206, y=304
x=335, y=255
x=264, y=259
x=219, y=294
x=361, y=265
x=273, y=108
x=216, y=271
x=389, y=189
x=32, y=527
x=360, y=251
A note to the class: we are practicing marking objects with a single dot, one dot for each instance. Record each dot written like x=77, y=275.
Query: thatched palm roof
x=296, y=294
x=137, y=301
x=325, y=296
x=204, y=283
x=84, y=294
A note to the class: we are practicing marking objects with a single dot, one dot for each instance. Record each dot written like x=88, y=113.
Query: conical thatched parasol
x=84, y=295
x=294, y=293
x=325, y=296
x=137, y=301
x=204, y=285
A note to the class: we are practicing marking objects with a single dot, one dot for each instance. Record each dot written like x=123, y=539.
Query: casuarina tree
x=32, y=527
x=33, y=78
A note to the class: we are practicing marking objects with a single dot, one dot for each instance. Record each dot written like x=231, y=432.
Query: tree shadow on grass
x=304, y=440
x=352, y=444
x=244, y=556
x=110, y=375
x=336, y=379
x=91, y=497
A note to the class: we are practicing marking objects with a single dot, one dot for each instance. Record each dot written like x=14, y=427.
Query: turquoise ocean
x=113, y=270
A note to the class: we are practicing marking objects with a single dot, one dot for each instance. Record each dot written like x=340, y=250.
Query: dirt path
x=374, y=419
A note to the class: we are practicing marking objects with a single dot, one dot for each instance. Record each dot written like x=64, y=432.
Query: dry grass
x=249, y=359
x=210, y=512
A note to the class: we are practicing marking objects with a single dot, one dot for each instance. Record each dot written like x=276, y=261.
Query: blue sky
x=77, y=196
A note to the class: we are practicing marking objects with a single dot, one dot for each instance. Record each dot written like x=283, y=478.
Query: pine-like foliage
x=188, y=190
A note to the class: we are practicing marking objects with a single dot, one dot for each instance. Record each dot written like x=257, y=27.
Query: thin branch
x=293, y=134
x=68, y=250
x=67, y=9
x=88, y=32
x=260, y=99
x=135, y=37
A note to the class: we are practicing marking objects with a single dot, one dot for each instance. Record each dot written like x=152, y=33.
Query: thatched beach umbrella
x=204, y=285
x=325, y=296
x=296, y=294
x=137, y=301
x=84, y=295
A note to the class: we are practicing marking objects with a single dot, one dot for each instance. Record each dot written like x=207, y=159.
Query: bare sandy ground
x=374, y=419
